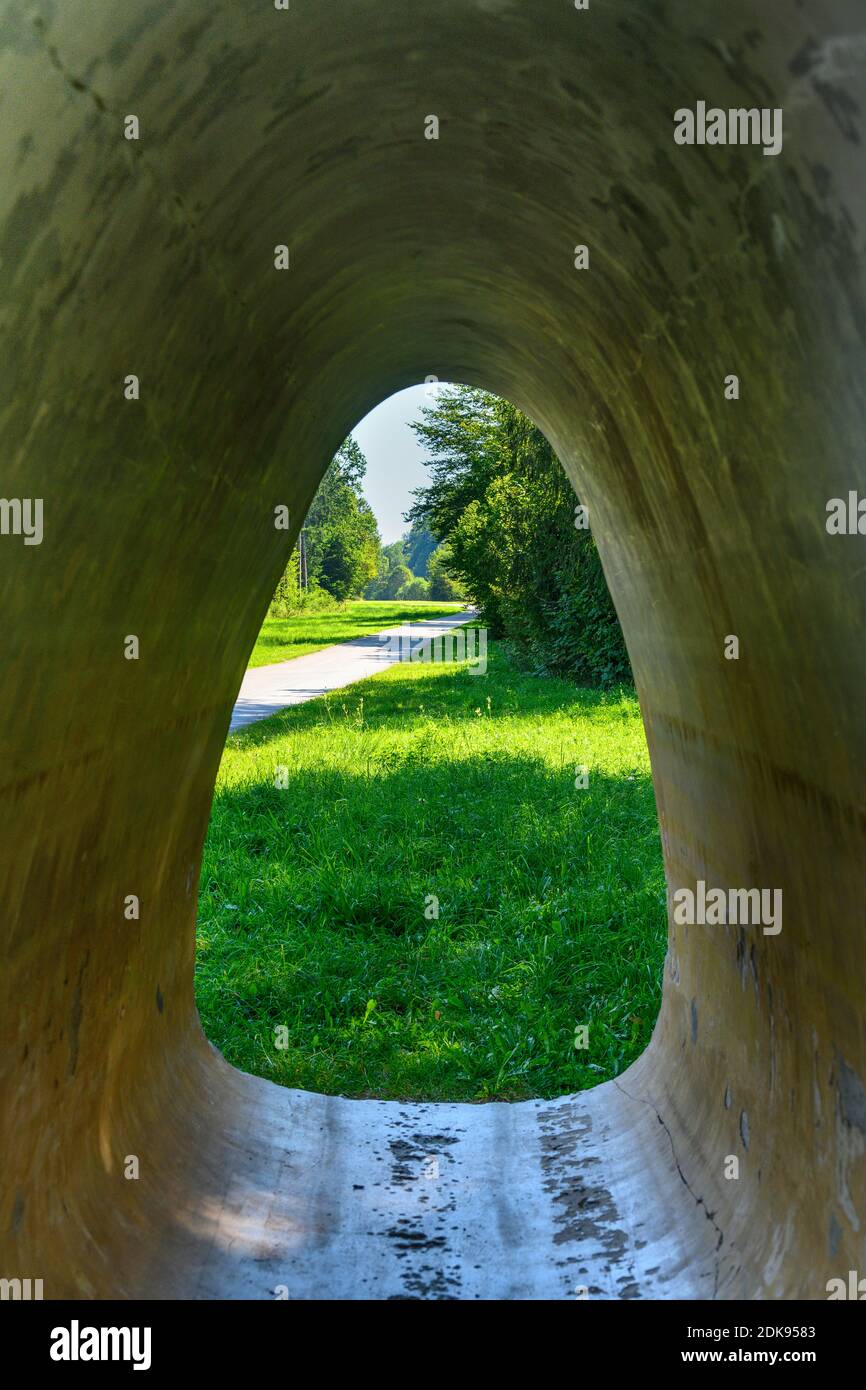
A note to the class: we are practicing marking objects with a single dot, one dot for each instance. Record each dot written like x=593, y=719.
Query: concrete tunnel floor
x=226, y=233
x=321, y=1197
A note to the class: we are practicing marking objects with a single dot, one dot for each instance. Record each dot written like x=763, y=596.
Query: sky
x=394, y=458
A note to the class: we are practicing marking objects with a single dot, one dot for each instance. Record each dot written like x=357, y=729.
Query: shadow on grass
x=450, y=693
x=431, y=927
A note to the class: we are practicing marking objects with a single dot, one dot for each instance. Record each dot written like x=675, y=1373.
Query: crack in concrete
x=710, y=1215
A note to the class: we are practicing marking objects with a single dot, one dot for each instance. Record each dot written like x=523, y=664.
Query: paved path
x=266, y=689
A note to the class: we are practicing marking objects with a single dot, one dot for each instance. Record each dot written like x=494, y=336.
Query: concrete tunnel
x=410, y=257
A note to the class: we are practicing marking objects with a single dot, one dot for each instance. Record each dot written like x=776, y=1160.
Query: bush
x=289, y=599
x=414, y=588
x=503, y=503
x=398, y=576
x=443, y=585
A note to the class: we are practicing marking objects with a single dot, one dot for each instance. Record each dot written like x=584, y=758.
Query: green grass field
x=283, y=638
x=316, y=908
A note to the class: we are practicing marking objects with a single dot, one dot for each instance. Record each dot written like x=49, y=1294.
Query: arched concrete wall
x=411, y=257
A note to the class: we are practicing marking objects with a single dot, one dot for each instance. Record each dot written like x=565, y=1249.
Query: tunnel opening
x=154, y=257
x=442, y=881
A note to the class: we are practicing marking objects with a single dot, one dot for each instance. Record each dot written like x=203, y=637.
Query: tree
x=348, y=551
x=419, y=544
x=340, y=534
x=395, y=554
x=399, y=575
x=443, y=585
x=414, y=588
x=459, y=433
x=390, y=557
x=502, y=501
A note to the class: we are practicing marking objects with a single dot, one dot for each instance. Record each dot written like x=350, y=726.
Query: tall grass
x=317, y=908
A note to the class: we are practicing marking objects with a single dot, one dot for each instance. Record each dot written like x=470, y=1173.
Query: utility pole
x=302, y=562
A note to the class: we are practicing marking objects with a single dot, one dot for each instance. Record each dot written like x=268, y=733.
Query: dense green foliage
x=414, y=588
x=443, y=584
x=341, y=539
x=316, y=911
x=398, y=577
x=502, y=502
x=344, y=555
x=419, y=544
x=416, y=567
x=290, y=599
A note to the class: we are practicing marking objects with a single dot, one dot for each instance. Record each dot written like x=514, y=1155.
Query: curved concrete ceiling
x=411, y=257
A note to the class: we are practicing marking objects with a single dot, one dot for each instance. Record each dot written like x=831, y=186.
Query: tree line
x=340, y=555
x=517, y=536
x=499, y=524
